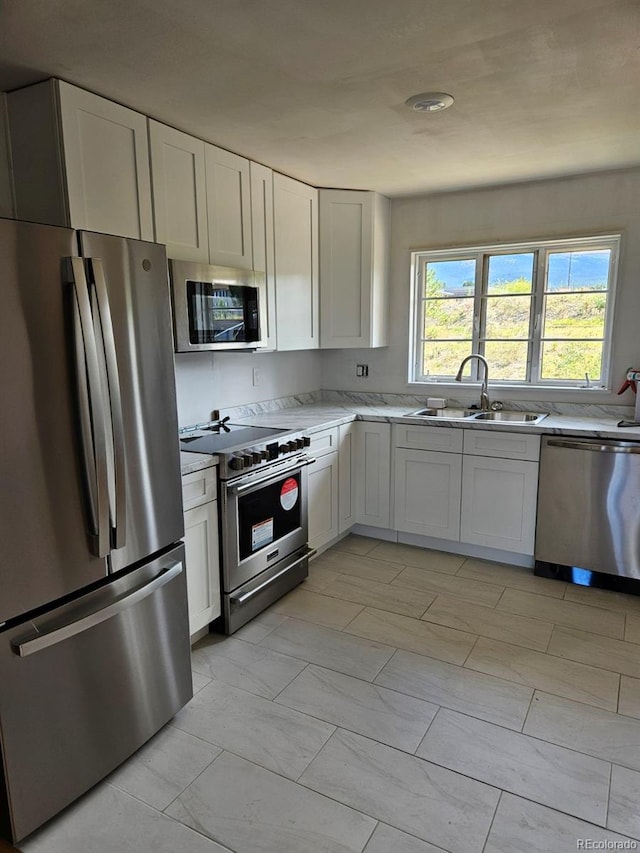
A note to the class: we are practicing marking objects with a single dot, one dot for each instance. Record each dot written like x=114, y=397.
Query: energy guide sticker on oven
x=261, y=534
x=289, y=493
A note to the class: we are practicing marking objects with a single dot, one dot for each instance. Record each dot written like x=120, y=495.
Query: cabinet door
x=106, y=160
x=346, y=477
x=263, y=242
x=373, y=481
x=353, y=268
x=427, y=493
x=203, y=565
x=295, y=210
x=228, y=208
x=499, y=503
x=179, y=193
x=323, y=500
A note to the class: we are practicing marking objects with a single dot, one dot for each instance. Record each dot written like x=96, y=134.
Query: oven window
x=222, y=313
x=268, y=514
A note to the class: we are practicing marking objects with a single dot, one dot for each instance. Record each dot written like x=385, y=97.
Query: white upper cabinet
x=228, y=208
x=354, y=243
x=80, y=160
x=295, y=209
x=179, y=195
x=263, y=242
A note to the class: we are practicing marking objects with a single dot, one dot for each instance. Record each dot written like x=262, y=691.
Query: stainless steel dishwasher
x=589, y=506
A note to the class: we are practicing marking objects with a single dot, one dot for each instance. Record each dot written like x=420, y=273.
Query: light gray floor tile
x=386, y=839
x=511, y=576
x=614, y=655
x=319, y=578
x=437, y=583
x=412, y=634
x=246, y=665
x=563, y=612
x=163, y=768
x=585, y=728
x=255, y=811
x=624, y=814
x=330, y=648
x=386, y=596
x=362, y=567
x=268, y=734
x=629, y=701
x=521, y=826
x=355, y=544
x=632, y=628
x=603, y=598
x=260, y=626
x=422, y=558
x=544, y=672
x=384, y=715
x=412, y=795
x=314, y=607
x=552, y=775
x=489, y=622
x=199, y=681
x=474, y=693
x=106, y=820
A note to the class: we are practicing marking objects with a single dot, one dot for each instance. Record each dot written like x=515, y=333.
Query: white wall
x=207, y=381
x=602, y=203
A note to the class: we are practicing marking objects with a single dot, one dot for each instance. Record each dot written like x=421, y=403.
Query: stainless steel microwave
x=216, y=308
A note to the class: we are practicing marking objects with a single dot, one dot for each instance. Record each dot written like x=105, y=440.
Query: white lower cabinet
x=373, y=467
x=346, y=477
x=499, y=503
x=322, y=493
x=427, y=493
x=202, y=550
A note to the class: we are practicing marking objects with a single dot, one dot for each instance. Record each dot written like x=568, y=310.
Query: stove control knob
x=283, y=449
x=255, y=456
x=248, y=461
x=299, y=443
x=292, y=446
x=264, y=454
x=307, y=440
x=236, y=463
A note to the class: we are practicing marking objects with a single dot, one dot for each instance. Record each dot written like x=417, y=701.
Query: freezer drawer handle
x=588, y=445
x=38, y=642
x=242, y=599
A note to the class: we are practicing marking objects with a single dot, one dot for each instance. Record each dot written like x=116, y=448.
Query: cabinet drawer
x=199, y=488
x=324, y=442
x=505, y=445
x=444, y=439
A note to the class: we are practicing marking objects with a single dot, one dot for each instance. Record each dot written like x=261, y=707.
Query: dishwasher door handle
x=593, y=446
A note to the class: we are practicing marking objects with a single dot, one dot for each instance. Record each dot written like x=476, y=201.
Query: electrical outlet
x=362, y=369
x=257, y=376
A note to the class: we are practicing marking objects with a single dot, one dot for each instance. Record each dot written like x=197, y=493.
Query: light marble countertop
x=190, y=462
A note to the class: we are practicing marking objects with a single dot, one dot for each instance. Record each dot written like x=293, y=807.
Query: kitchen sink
x=453, y=414
x=511, y=417
x=450, y=413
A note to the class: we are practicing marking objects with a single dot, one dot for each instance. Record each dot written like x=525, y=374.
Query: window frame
x=541, y=250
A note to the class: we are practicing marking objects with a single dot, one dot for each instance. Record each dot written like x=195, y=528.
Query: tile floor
x=399, y=701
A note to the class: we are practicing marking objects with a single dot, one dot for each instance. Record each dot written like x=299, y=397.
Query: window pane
x=507, y=360
x=448, y=318
x=510, y=273
x=450, y=278
x=571, y=360
x=586, y=270
x=507, y=316
x=574, y=315
x=442, y=358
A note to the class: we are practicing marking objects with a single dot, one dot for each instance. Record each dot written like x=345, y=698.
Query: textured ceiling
x=316, y=88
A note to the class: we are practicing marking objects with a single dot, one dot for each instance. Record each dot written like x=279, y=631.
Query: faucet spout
x=484, y=393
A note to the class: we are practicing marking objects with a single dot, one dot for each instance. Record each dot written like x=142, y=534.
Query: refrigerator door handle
x=37, y=641
x=118, y=535
x=94, y=452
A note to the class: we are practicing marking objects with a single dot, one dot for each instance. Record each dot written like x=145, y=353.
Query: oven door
x=264, y=520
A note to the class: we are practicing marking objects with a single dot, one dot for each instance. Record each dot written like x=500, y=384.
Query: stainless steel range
x=263, y=513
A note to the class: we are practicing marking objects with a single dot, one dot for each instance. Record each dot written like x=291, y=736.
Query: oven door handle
x=237, y=601
x=247, y=484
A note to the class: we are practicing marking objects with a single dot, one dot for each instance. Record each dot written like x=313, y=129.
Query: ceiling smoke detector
x=429, y=102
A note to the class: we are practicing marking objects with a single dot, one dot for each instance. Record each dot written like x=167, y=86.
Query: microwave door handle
x=91, y=409
x=119, y=532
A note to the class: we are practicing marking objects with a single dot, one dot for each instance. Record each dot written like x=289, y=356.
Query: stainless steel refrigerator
x=94, y=641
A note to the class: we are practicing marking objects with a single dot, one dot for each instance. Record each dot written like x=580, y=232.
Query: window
x=540, y=312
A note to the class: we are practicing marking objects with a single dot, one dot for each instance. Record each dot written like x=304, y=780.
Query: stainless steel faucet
x=484, y=395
